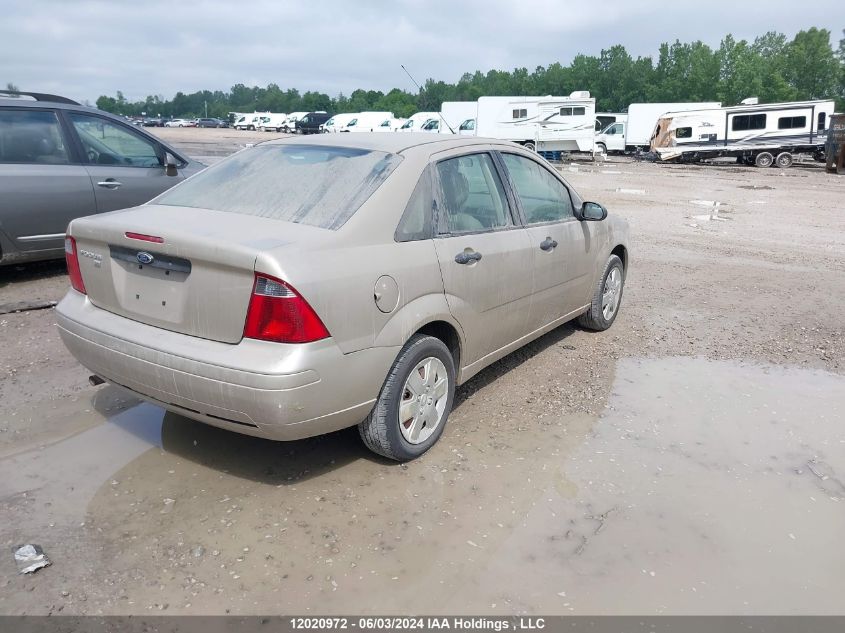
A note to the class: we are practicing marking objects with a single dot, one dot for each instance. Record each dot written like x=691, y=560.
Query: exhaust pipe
x=95, y=381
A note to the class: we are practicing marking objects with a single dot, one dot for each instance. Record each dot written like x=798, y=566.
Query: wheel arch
x=447, y=333
x=622, y=253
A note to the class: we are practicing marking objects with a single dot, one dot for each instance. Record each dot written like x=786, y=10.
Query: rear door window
x=308, y=184
x=31, y=136
x=473, y=196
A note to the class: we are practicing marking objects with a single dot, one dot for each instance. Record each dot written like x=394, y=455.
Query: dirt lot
x=687, y=461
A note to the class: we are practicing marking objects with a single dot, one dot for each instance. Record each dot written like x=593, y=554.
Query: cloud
x=86, y=48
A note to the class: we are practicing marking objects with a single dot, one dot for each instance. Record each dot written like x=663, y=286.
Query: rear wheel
x=530, y=146
x=764, y=159
x=784, y=160
x=414, y=403
x=607, y=297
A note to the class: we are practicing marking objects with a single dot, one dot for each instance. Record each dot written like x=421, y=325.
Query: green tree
x=108, y=104
x=811, y=65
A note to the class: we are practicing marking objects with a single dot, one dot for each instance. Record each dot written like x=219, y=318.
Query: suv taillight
x=277, y=313
x=73, y=265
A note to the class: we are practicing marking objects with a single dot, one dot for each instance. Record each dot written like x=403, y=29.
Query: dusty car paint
x=176, y=339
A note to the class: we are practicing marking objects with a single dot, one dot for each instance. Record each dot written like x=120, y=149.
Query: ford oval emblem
x=144, y=258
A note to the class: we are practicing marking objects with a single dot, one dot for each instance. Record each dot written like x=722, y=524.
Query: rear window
x=306, y=184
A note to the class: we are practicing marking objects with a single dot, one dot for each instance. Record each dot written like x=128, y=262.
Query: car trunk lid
x=182, y=269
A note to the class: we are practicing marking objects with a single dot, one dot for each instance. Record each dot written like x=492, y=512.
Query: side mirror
x=170, y=165
x=593, y=212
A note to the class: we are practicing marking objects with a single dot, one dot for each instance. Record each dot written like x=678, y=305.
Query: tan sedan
x=304, y=286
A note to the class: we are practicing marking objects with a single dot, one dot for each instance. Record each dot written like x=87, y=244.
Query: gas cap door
x=386, y=294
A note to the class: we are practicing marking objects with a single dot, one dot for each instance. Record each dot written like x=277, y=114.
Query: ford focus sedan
x=303, y=286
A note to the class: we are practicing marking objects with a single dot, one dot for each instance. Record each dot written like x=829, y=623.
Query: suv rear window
x=306, y=184
x=31, y=136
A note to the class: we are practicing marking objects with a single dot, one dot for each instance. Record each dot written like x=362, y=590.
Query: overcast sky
x=85, y=48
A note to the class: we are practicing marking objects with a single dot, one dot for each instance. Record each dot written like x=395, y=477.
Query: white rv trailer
x=415, y=121
x=336, y=123
x=756, y=134
x=634, y=132
x=567, y=125
x=366, y=121
x=541, y=123
x=455, y=113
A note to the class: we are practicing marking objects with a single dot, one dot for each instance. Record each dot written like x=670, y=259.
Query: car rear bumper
x=272, y=390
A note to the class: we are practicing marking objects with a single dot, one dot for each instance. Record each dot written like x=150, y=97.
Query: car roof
x=390, y=143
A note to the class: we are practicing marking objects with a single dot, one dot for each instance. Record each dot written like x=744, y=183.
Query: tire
x=784, y=160
x=251, y=128
x=597, y=318
x=530, y=146
x=764, y=159
x=602, y=148
x=382, y=431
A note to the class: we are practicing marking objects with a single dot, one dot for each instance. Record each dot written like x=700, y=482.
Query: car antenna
x=420, y=89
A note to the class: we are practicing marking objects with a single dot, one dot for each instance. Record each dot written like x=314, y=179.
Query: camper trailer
x=455, y=113
x=541, y=123
x=756, y=134
x=633, y=132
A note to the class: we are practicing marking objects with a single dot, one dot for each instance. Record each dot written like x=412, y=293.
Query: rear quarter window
x=307, y=184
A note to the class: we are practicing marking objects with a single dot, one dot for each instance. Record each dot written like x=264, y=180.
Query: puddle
x=705, y=488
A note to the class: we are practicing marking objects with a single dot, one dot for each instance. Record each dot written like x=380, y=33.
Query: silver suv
x=60, y=160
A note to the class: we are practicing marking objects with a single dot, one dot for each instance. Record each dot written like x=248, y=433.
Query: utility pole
x=206, y=109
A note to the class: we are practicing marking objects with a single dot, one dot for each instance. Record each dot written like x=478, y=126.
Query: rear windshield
x=307, y=184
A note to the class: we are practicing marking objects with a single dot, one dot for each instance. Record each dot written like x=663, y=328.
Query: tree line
x=772, y=68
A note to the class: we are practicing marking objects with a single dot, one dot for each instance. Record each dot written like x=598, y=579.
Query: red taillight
x=73, y=265
x=144, y=238
x=277, y=313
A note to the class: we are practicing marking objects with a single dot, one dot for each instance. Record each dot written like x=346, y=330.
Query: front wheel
x=414, y=403
x=601, y=147
x=607, y=297
x=530, y=146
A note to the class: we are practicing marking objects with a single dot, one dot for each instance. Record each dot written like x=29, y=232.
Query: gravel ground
x=735, y=272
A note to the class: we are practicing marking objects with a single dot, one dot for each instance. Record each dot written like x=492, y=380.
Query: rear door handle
x=109, y=183
x=548, y=244
x=467, y=258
